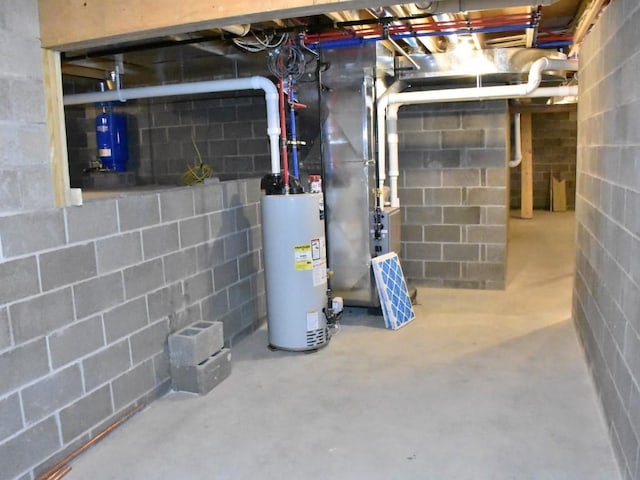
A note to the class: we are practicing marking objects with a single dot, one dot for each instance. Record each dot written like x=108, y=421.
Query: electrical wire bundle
x=287, y=61
x=197, y=173
x=258, y=44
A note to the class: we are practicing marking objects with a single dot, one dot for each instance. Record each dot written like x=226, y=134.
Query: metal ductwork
x=455, y=6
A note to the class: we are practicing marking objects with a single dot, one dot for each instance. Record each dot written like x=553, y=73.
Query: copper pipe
x=61, y=473
x=62, y=464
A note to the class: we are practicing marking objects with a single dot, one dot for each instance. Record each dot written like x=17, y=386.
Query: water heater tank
x=295, y=270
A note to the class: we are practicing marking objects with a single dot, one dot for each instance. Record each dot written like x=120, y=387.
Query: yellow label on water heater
x=303, y=258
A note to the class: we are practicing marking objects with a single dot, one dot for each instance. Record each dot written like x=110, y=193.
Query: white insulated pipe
x=517, y=154
x=248, y=83
x=386, y=101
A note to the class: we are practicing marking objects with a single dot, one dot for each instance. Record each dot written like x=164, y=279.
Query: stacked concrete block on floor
x=95, y=292
x=607, y=283
x=453, y=193
x=198, y=360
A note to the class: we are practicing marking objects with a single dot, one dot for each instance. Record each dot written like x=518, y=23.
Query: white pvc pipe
x=517, y=154
x=248, y=83
x=529, y=89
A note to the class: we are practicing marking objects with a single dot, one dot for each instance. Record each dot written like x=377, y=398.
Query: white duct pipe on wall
x=455, y=95
x=517, y=154
x=249, y=83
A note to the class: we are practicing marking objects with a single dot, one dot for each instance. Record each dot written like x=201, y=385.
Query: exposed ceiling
x=423, y=27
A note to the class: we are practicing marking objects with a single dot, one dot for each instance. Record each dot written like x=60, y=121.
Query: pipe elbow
x=263, y=83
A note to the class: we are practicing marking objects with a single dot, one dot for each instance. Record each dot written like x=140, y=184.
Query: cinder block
x=215, y=305
x=225, y=275
x=24, y=279
x=23, y=364
x=106, y=364
x=5, y=332
x=85, y=414
x=423, y=251
x=442, y=270
x=463, y=139
x=31, y=232
x=487, y=234
x=443, y=196
x=144, y=278
x=194, y=231
x=484, y=157
x=222, y=223
x=125, y=319
x=461, y=215
x=195, y=343
x=450, y=158
x=463, y=252
x=180, y=265
x=161, y=240
x=133, y=385
x=82, y=224
x=29, y=448
x=236, y=245
x=76, y=341
x=98, y=294
x=423, y=215
x=176, y=204
x=119, y=251
x=420, y=140
x=249, y=264
x=247, y=217
x=205, y=377
x=67, y=266
x=461, y=177
x=41, y=315
x=165, y=301
x=10, y=416
x=51, y=393
x=198, y=287
x=138, y=211
x=207, y=198
x=10, y=194
x=146, y=343
x=442, y=233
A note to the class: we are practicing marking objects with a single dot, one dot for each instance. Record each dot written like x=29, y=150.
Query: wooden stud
x=526, y=167
x=56, y=126
x=76, y=24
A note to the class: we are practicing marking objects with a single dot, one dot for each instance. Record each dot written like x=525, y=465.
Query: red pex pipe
x=283, y=137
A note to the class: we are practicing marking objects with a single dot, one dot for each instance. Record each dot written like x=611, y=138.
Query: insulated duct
x=249, y=83
x=389, y=103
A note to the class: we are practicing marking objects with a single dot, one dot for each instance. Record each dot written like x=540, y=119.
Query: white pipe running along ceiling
x=389, y=103
x=248, y=83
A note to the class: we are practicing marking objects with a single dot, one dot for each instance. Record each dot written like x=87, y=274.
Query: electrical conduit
x=248, y=83
x=384, y=112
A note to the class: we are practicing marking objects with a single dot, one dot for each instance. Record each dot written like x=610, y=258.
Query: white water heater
x=295, y=267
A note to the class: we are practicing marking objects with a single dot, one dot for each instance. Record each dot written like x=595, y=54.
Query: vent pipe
x=389, y=103
x=249, y=83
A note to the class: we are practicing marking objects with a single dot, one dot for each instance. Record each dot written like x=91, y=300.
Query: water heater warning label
x=303, y=258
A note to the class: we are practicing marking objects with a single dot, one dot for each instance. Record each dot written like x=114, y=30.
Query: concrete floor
x=482, y=385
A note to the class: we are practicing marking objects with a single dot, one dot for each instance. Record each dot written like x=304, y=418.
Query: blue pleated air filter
x=392, y=290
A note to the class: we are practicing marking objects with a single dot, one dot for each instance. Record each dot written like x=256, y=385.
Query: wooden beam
x=543, y=108
x=56, y=127
x=526, y=167
x=76, y=24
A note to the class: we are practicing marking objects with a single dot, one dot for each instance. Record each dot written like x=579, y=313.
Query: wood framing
x=75, y=24
x=526, y=167
x=56, y=126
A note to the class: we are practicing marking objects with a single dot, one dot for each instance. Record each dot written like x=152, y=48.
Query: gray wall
x=95, y=291
x=230, y=133
x=607, y=283
x=453, y=193
x=25, y=170
x=554, y=152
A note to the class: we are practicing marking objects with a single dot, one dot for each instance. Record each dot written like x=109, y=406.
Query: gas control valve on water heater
x=295, y=270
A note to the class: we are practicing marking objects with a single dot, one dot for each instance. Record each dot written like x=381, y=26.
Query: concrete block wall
x=453, y=193
x=554, y=153
x=230, y=134
x=606, y=303
x=94, y=293
x=25, y=170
